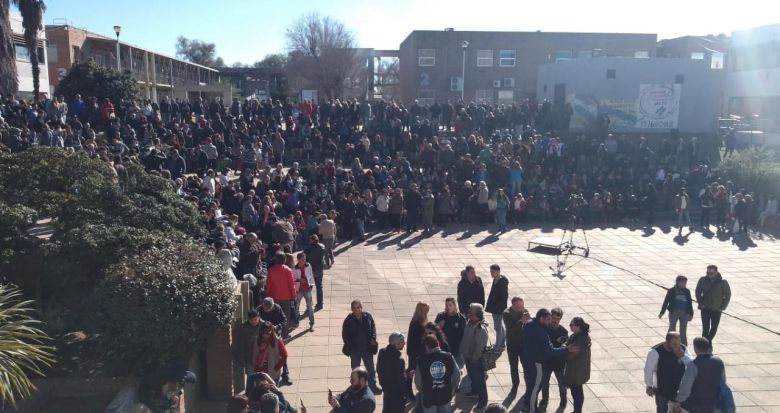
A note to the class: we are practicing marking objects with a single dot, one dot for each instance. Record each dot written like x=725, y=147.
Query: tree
x=755, y=168
x=323, y=53
x=272, y=61
x=90, y=79
x=171, y=300
x=94, y=228
x=32, y=22
x=24, y=347
x=9, y=80
x=198, y=51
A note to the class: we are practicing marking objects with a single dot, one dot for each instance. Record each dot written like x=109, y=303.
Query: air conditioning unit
x=496, y=83
x=456, y=84
x=509, y=82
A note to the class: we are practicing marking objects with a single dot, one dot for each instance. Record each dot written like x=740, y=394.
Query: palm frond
x=24, y=347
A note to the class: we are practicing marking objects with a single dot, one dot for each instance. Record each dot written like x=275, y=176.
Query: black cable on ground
x=664, y=287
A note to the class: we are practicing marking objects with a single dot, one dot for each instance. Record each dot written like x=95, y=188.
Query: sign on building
x=658, y=106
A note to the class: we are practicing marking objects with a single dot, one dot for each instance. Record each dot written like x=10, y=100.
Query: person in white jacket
x=303, y=276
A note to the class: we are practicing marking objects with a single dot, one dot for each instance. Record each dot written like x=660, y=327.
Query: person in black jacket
x=470, y=290
x=680, y=305
x=390, y=369
x=453, y=324
x=415, y=336
x=413, y=200
x=359, y=335
x=315, y=254
x=558, y=335
x=496, y=303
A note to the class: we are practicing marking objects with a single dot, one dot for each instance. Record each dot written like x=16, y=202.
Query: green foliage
x=94, y=226
x=161, y=305
x=755, y=169
x=272, y=61
x=90, y=79
x=24, y=347
x=198, y=51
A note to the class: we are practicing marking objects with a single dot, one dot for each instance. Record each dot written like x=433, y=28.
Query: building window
x=611, y=73
x=506, y=97
x=426, y=96
x=562, y=55
x=426, y=57
x=24, y=55
x=484, y=95
x=697, y=56
x=679, y=78
x=642, y=54
x=75, y=54
x=485, y=58
x=506, y=58
x=51, y=51
x=585, y=54
x=717, y=60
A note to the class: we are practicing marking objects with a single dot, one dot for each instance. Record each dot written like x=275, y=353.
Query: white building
x=23, y=66
x=753, y=76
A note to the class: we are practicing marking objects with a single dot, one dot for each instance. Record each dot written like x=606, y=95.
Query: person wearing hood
x=470, y=290
x=713, y=294
x=475, y=338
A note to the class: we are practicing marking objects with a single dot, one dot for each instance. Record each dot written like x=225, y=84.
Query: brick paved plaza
x=391, y=272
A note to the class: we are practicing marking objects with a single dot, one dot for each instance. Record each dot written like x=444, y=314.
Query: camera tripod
x=568, y=247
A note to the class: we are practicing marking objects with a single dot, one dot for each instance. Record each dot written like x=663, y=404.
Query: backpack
x=726, y=399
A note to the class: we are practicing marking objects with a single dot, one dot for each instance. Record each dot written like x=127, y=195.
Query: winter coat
x=475, y=338
x=577, y=370
x=713, y=294
x=469, y=293
x=499, y=294
x=390, y=371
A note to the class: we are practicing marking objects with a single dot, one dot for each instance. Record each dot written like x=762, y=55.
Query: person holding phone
x=357, y=398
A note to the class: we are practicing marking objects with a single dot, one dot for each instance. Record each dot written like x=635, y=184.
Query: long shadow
x=488, y=240
x=681, y=239
x=397, y=240
x=379, y=238
x=648, y=231
x=743, y=242
x=465, y=235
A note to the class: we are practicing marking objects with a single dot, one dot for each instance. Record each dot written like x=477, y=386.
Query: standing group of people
x=457, y=338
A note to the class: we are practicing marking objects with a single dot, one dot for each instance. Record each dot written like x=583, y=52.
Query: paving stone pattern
x=617, y=290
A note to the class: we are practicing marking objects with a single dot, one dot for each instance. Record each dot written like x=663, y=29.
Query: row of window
x=504, y=97
x=508, y=57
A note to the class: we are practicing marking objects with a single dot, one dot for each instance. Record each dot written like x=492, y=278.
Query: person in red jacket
x=271, y=353
x=280, y=286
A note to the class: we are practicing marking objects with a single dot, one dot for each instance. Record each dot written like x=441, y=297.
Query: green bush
x=161, y=305
x=90, y=79
x=755, y=169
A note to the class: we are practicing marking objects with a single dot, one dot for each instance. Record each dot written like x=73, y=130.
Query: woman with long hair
x=431, y=329
x=415, y=346
x=271, y=352
x=577, y=371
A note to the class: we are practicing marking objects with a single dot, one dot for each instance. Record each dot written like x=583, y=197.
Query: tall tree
x=32, y=22
x=325, y=53
x=198, y=51
x=273, y=61
x=9, y=81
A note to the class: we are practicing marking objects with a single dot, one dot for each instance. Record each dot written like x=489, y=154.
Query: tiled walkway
x=617, y=290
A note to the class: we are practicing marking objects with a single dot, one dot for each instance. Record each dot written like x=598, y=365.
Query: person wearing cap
x=244, y=339
x=390, y=368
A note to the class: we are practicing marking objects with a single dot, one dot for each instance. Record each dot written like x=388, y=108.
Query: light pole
x=117, y=29
x=464, y=45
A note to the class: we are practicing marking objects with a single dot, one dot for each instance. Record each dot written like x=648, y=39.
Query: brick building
x=158, y=75
x=500, y=67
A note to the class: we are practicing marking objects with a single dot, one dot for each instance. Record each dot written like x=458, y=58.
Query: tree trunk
x=9, y=81
x=36, y=70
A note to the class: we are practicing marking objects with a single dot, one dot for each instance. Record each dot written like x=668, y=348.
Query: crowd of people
x=279, y=185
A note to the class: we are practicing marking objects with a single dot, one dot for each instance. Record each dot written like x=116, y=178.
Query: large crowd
x=281, y=184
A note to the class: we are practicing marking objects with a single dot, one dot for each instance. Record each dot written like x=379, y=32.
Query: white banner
x=658, y=106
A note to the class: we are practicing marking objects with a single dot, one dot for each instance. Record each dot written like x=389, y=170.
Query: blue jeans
x=442, y=408
x=501, y=218
x=478, y=385
x=498, y=324
x=361, y=228
x=368, y=361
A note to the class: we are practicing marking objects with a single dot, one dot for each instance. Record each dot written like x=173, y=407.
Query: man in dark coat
x=496, y=303
x=470, y=290
x=413, y=201
x=359, y=335
x=390, y=368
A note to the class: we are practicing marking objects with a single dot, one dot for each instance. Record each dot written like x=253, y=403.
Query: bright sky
x=246, y=30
